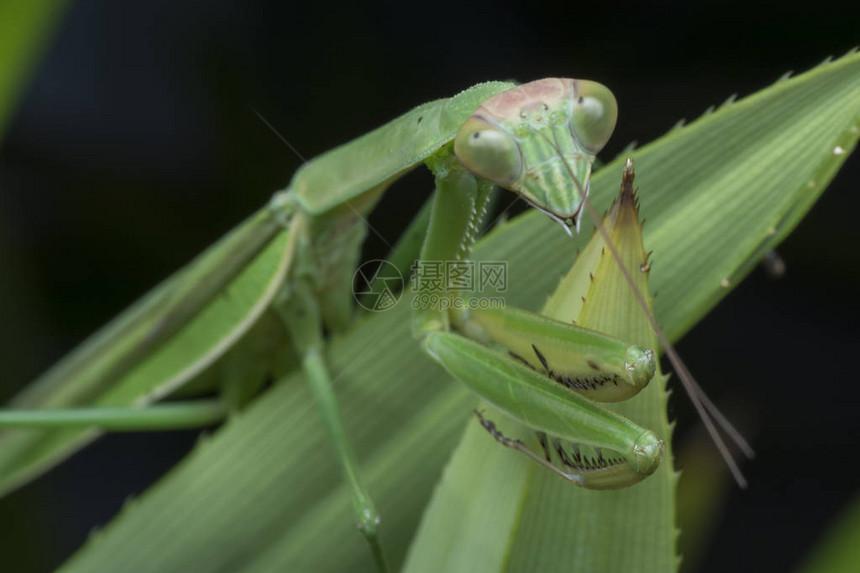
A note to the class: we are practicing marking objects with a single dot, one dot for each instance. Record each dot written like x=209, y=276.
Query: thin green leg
x=301, y=314
x=157, y=417
x=459, y=205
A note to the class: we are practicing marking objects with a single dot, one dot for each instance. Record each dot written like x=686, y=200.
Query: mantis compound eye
x=488, y=151
x=594, y=114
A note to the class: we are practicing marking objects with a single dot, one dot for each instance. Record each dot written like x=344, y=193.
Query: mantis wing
x=161, y=342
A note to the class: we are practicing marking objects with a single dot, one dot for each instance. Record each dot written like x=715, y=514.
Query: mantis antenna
x=706, y=409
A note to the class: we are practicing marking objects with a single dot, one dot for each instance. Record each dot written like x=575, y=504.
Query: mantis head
x=531, y=138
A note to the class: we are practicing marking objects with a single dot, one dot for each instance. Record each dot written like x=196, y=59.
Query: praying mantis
x=296, y=257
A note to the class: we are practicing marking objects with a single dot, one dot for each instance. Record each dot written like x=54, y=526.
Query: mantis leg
x=301, y=314
x=158, y=417
x=573, y=460
x=407, y=250
x=565, y=366
x=631, y=452
x=242, y=372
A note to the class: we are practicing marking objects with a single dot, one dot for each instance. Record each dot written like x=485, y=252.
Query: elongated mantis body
x=297, y=256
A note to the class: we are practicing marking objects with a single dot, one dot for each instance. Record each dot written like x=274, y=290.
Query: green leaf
x=264, y=493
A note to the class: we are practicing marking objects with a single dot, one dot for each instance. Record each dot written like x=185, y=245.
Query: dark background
x=135, y=146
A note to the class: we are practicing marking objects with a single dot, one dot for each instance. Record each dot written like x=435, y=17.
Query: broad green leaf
x=264, y=493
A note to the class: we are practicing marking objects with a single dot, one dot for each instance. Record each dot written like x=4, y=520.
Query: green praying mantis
x=296, y=257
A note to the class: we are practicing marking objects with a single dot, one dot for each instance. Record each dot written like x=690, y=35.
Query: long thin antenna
x=704, y=407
